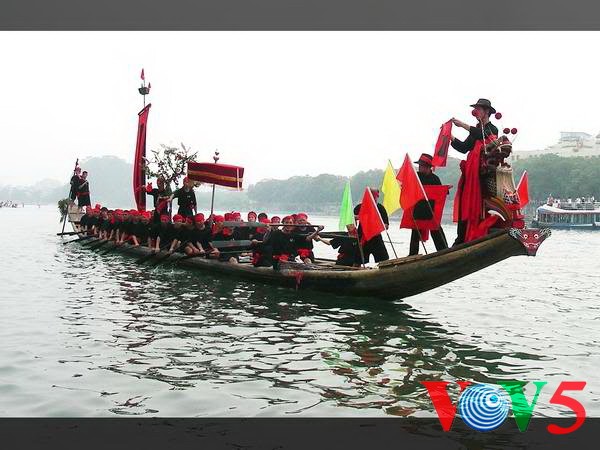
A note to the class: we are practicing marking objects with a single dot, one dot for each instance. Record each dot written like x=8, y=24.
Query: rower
x=283, y=242
x=179, y=233
x=124, y=228
x=276, y=219
x=104, y=226
x=348, y=247
x=186, y=198
x=199, y=238
x=85, y=220
x=262, y=252
x=423, y=210
x=262, y=215
x=468, y=186
x=227, y=234
x=161, y=232
x=375, y=245
x=304, y=235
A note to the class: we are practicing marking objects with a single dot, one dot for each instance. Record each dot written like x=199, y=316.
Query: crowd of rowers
x=268, y=241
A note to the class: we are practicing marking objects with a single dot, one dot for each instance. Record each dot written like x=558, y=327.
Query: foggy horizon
x=281, y=104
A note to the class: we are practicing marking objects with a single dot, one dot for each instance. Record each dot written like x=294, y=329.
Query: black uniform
x=202, y=236
x=84, y=222
x=75, y=182
x=349, y=251
x=375, y=246
x=186, y=201
x=83, y=194
x=304, y=248
x=283, y=246
x=262, y=253
x=156, y=194
x=466, y=146
x=141, y=231
x=423, y=211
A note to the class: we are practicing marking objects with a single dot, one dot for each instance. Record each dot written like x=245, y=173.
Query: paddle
x=151, y=254
x=161, y=260
x=68, y=233
x=84, y=238
x=94, y=247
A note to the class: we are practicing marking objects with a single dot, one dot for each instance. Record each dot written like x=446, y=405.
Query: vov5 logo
x=484, y=407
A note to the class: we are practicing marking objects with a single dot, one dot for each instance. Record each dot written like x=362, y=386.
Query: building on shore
x=570, y=144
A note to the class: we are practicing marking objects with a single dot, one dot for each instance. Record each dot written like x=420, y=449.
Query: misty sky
x=282, y=103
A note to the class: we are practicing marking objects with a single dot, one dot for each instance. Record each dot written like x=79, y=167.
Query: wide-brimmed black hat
x=485, y=103
x=425, y=158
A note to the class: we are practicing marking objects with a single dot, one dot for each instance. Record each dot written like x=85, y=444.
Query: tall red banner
x=139, y=174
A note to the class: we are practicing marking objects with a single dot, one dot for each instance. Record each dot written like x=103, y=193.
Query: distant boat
x=583, y=215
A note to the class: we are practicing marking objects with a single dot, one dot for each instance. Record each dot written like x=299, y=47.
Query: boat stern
x=530, y=238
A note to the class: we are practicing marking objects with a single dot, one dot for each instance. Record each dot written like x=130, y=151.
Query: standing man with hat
x=468, y=202
x=75, y=182
x=423, y=210
x=375, y=246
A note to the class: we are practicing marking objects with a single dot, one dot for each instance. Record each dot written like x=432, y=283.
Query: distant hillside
x=110, y=181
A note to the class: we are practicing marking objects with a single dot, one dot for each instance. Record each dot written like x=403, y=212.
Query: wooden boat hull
x=392, y=280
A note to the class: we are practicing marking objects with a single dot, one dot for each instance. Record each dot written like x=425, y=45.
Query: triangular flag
x=391, y=190
x=142, y=75
x=523, y=190
x=411, y=188
x=369, y=217
x=346, y=209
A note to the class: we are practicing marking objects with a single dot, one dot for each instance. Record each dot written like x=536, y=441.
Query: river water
x=83, y=334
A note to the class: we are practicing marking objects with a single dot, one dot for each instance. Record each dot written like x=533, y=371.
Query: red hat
x=264, y=220
x=118, y=211
x=251, y=213
x=134, y=212
x=302, y=216
x=228, y=217
x=178, y=218
x=199, y=217
x=147, y=215
x=219, y=219
x=165, y=218
x=288, y=218
x=98, y=206
x=236, y=215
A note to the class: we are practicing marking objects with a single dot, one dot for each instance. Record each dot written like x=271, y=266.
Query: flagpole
x=390, y=239
x=419, y=233
x=212, y=201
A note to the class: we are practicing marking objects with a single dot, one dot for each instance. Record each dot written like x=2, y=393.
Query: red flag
x=440, y=153
x=411, y=187
x=219, y=174
x=523, y=190
x=436, y=195
x=142, y=75
x=139, y=174
x=370, y=220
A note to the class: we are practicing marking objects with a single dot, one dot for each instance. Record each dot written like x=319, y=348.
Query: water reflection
x=297, y=351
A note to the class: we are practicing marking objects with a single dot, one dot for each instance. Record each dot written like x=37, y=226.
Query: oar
x=68, y=233
x=83, y=238
x=94, y=247
x=165, y=257
x=151, y=254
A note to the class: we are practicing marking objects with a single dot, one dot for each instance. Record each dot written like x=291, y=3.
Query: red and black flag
x=139, y=174
x=219, y=174
x=440, y=153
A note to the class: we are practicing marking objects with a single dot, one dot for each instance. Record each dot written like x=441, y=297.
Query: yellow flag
x=391, y=190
